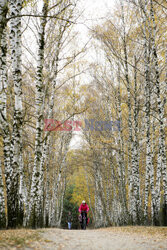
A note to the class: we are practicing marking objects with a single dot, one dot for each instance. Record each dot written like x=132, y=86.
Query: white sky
x=93, y=12
x=97, y=8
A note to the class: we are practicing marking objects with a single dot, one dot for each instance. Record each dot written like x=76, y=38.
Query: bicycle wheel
x=84, y=223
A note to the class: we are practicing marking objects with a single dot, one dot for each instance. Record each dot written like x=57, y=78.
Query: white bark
x=135, y=158
x=3, y=91
x=45, y=153
x=2, y=200
x=35, y=199
x=15, y=42
x=3, y=103
x=61, y=202
x=3, y=12
x=121, y=162
x=99, y=209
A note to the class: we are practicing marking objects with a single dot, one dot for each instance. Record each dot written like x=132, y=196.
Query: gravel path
x=99, y=239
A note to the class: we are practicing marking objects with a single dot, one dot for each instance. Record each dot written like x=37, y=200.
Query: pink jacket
x=83, y=207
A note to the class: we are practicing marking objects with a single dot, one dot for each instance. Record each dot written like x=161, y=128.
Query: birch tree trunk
x=62, y=201
x=149, y=166
x=164, y=161
x=47, y=198
x=121, y=161
x=135, y=159
x=22, y=188
x=130, y=140
x=45, y=153
x=3, y=13
x=3, y=99
x=101, y=213
x=115, y=200
x=15, y=40
x=3, y=108
x=35, y=199
x=2, y=201
x=90, y=202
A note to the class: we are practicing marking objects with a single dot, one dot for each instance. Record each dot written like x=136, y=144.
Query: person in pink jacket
x=84, y=208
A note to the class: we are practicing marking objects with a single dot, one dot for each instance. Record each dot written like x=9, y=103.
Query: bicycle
x=84, y=220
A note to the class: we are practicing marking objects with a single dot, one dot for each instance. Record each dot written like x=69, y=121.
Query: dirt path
x=101, y=239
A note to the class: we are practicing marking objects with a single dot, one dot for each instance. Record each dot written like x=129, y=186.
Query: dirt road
x=102, y=239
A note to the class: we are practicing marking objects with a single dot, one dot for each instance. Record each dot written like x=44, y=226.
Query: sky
x=97, y=8
x=93, y=12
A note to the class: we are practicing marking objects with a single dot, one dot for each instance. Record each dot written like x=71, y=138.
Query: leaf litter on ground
x=18, y=238
x=147, y=231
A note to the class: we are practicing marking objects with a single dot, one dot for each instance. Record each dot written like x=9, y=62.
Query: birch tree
x=2, y=200
x=3, y=13
x=119, y=44
x=15, y=38
x=34, y=213
x=4, y=126
x=161, y=162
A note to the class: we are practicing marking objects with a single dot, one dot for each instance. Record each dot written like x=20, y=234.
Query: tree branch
x=44, y=16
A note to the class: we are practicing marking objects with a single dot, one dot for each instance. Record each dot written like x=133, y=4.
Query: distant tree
x=70, y=206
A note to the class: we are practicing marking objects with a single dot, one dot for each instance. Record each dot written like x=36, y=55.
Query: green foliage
x=80, y=191
x=2, y=221
x=33, y=219
x=70, y=206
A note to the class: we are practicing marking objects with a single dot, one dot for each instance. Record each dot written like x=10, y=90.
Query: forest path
x=103, y=239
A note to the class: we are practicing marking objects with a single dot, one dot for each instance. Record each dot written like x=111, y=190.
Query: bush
x=70, y=206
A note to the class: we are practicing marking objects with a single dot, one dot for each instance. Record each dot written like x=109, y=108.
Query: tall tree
x=2, y=200
x=3, y=13
x=34, y=213
x=15, y=40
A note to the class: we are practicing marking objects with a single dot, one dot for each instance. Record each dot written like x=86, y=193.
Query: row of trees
x=120, y=168
x=127, y=164
x=36, y=78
